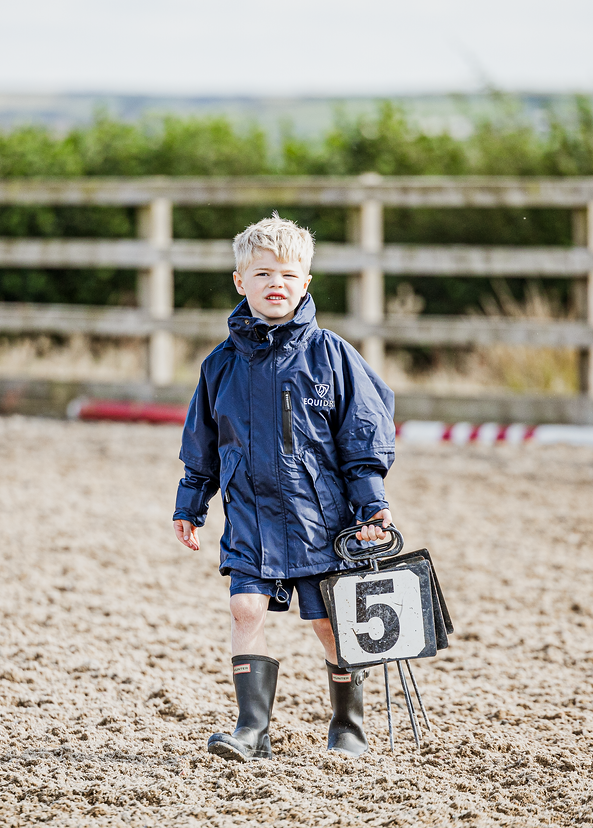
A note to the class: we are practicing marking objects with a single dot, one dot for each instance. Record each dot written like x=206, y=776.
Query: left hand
x=373, y=533
x=187, y=534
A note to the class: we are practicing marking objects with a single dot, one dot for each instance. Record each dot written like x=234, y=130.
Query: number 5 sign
x=382, y=616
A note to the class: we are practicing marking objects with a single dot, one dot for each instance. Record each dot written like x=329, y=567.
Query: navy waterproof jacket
x=297, y=432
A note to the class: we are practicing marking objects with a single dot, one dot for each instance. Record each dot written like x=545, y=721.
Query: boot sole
x=230, y=749
x=226, y=751
x=348, y=753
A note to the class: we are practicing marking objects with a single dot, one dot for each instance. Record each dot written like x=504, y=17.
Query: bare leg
x=254, y=676
x=323, y=631
x=248, y=618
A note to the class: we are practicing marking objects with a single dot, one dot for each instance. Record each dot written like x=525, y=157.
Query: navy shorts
x=280, y=591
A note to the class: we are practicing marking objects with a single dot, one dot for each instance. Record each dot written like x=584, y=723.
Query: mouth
x=275, y=297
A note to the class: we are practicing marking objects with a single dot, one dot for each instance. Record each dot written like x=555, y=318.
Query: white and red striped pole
x=423, y=431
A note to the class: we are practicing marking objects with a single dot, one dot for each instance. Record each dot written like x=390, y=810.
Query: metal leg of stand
x=388, y=700
x=418, y=696
x=409, y=705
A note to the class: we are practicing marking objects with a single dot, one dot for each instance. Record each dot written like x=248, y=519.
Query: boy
x=297, y=432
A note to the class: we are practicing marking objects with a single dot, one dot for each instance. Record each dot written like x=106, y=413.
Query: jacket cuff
x=372, y=508
x=366, y=492
x=191, y=501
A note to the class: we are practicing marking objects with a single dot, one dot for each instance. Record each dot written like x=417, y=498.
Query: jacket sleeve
x=199, y=452
x=365, y=435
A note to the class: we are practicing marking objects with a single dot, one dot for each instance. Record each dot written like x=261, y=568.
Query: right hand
x=187, y=534
x=374, y=533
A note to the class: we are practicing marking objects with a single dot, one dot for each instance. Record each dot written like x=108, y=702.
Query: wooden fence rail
x=364, y=260
x=212, y=325
x=391, y=191
x=393, y=259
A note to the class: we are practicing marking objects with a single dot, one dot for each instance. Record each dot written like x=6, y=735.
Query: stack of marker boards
x=392, y=608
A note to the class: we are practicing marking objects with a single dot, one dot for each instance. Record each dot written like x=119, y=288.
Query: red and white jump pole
x=422, y=431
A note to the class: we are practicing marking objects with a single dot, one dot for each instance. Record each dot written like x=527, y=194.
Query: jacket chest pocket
x=287, y=436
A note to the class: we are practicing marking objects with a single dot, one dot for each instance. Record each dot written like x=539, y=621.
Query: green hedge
x=386, y=142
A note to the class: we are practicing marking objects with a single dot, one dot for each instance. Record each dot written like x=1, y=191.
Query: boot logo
x=342, y=678
x=241, y=668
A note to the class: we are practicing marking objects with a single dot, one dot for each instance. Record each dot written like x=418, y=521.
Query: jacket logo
x=322, y=390
x=315, y=403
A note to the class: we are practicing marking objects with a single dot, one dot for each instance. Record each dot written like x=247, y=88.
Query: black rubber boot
x=255, y=678
x=346, y=693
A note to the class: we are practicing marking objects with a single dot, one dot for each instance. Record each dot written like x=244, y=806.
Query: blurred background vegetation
x=385, y=140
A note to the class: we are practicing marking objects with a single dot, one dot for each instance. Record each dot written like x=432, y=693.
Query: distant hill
x=307, y=116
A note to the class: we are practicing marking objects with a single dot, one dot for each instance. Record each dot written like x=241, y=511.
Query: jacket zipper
x=287, y=422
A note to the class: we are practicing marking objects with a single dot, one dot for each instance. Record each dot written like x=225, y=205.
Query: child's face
x=273, y=288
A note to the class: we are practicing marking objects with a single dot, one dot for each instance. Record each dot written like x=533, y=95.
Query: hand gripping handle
x=368, y=550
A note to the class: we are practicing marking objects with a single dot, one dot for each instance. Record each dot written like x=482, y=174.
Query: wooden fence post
x=366, y=291
x=353, y=279
x=372, y=282
x=155, y=287
x=582, y=234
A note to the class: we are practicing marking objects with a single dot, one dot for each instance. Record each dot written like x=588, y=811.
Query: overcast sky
x=277, y=47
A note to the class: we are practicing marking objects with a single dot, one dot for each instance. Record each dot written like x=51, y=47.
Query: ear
x=306, y=285
x=238, y=280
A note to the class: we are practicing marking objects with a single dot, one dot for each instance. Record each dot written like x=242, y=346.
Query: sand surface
x=114, y=648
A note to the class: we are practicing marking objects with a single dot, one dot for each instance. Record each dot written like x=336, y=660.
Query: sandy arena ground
x=114, y=648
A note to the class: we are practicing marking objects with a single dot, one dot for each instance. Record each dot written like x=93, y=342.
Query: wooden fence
x=364, y=260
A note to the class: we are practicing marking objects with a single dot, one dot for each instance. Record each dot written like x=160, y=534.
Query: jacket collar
x=248, y=333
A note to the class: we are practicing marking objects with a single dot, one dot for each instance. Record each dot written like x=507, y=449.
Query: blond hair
x=283, y=237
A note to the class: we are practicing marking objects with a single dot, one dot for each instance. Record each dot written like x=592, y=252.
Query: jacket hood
x=249, y=333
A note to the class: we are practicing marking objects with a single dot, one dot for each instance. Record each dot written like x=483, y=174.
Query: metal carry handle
x=388, y=548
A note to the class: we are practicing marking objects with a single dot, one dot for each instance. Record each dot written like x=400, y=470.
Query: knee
x=322, y=625
x=249, y=610
x=323, y=630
